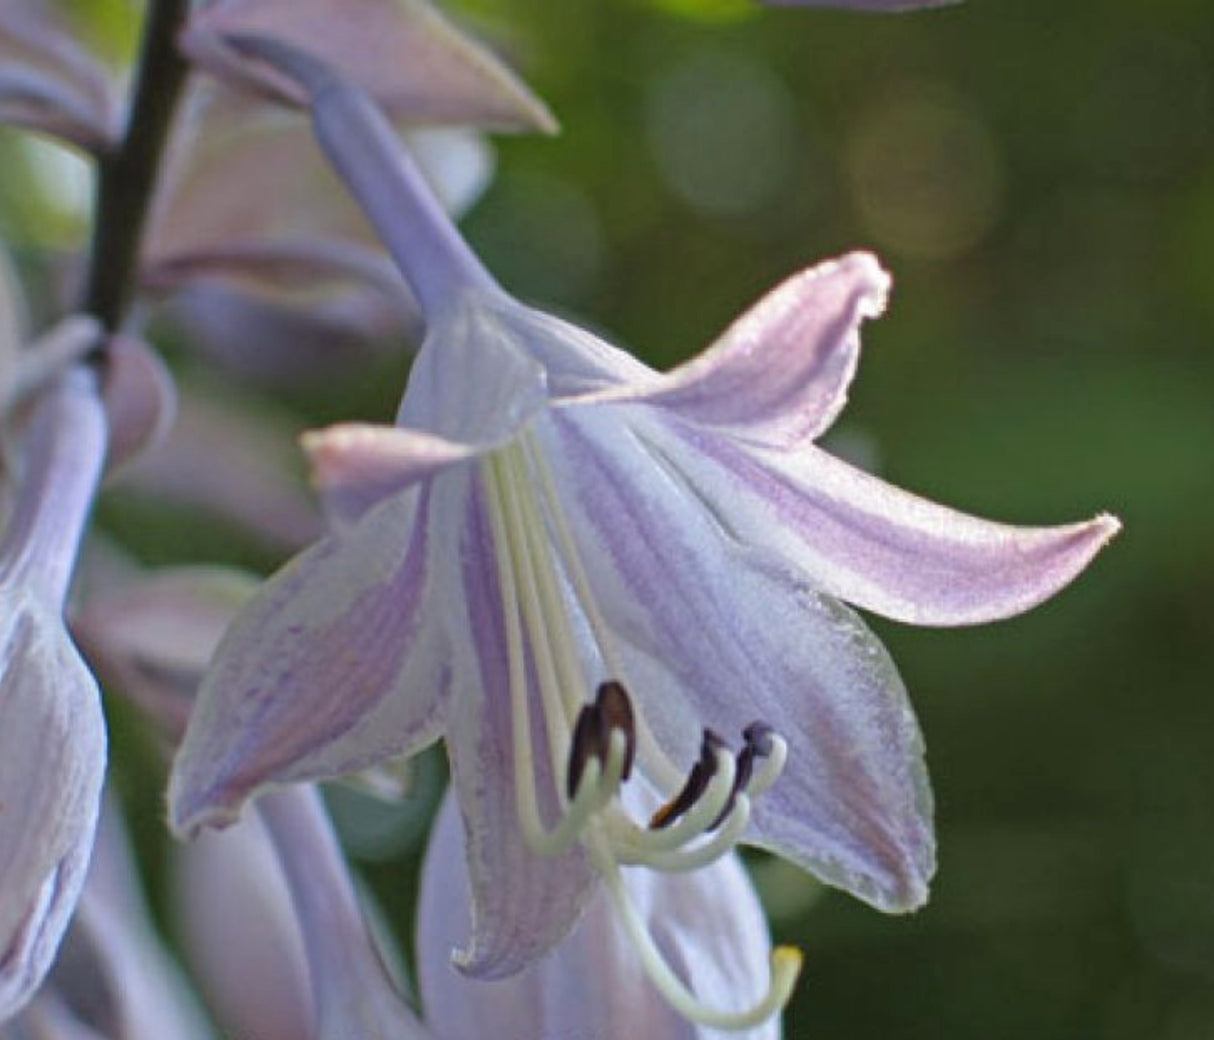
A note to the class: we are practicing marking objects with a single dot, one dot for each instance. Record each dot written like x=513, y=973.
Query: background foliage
x=1038, y=177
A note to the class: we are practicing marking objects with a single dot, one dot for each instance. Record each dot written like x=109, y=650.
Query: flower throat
x=593, y=744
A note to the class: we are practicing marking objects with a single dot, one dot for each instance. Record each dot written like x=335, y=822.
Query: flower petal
x=708, y=923
x=150, y=639
x=140, y=399
x=222, y=460
x=296, y=346
x=52, y=761
x=779, y=374
x=355, y=466
x=113, y=977
x=221, y=210
x=875, y=545
x=510, y=385
x=240, y=933
x=403, y=52
x=719, y=634
x=338, y=662
x=523, y=904
x=49, y=83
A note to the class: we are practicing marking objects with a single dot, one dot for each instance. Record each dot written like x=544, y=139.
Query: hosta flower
x=113, y=979
x=52, y=735
x=275, y=926
x=568, y=565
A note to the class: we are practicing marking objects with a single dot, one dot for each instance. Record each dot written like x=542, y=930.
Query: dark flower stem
x=127, y=176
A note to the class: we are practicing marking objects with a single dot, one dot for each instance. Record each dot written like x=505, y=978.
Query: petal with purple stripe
x=716, y=633
x=339, y=661
x=522, y=904
x=875, y=545
x=779, y=374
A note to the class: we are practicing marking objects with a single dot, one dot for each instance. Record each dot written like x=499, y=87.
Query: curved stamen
x=785, y=962
x=771, y=768
x=637, y=845
x=696, y=784
x=683, y=860
x=599, y=784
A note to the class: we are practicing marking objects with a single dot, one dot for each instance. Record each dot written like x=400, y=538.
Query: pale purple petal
x=510, y=385
x=49, y=83
x=716, y=633
x=296, y=346
x=575, y=362
x=355, y=466
x=779, y=374
x=112, y=973
x=28, y=369
x=151, y=638
x=224, y=460
x=221, y=208
x=403, y=52
x=240, y=934
x=354, y=995
x=523, y=904
x=140, y=399
x=338, y=662
x=875, y=545
x=52, y=761
x=708, y=923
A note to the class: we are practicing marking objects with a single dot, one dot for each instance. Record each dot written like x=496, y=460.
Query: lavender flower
x=561, y=560
x=112, y=978
x=590, y=985
x=52, y=736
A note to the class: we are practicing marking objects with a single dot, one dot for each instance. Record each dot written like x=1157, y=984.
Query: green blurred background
x=1038, y=177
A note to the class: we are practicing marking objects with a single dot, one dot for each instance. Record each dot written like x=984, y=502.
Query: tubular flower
x=52, y=734
x=616, y=593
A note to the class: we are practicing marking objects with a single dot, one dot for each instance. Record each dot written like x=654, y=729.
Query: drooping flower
x=52, y=735
x=561, y=560
x=113, y=979
x=276, y=927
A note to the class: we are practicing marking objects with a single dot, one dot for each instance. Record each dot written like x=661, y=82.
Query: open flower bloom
x=568, y=564
x=52, y=735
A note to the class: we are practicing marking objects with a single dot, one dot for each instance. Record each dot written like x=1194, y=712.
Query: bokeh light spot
x=721, y=128
x=925, y=173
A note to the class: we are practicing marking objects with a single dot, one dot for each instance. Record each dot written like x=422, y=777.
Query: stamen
x=683, y=860
x=785, y=962
x=636, y=845
x=615, y=709
x=610, y=713
x=771, y=766
x=758, y=743
x=697, y=782
x=585, y=745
